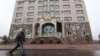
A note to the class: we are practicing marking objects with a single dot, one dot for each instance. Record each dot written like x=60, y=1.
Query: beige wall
x=53, y=21
x=72, y=8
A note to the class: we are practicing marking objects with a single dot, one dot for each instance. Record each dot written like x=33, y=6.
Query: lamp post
x=99, y=38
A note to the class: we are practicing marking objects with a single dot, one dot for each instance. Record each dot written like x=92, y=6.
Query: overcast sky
x=7, y=8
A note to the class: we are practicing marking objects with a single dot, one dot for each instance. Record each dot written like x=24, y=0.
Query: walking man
x=20, y=39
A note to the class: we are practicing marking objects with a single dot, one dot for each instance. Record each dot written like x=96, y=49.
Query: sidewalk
x=55, y=46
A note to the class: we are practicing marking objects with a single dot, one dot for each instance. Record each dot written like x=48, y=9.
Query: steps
x=46, y=40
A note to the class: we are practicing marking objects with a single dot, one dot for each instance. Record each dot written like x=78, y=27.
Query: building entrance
x=59, y=29
x=48, y=29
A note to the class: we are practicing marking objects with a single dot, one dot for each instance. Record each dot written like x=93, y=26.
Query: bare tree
x=5, y=39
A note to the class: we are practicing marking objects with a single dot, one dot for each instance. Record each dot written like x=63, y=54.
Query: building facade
x=63, y=19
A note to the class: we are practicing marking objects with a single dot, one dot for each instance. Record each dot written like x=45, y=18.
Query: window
x=56, y=6
x=16, y=27
x=52, y=13
x=65, y=1
x=56, y=1
x=52, y=8
x=79, y=11
x=83, y=33
x=80, y=18
x=58, y=18
x=40, y=8
x=57, y=13
x=21, y=3
x=29, y=20
x=80, y=26
x=40, y=2
x=31, y=8
x=31, y=2
x=68, y=25
x=67, y=19
x=40, y=13
x=78, y=6
x=77, y=0
x=20, y=9
x=69, y=33
x=66, y=6
x=68, y=12
x=51, y=2
x=30, y=14
x=45, y=13
x=45, y=8
x=45, y=2
x=18, y=14
x=17, y=20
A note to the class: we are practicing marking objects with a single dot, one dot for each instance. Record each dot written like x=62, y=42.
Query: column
x=63, y=30
x=40, y=30
x=33, y=32
x=55, y=30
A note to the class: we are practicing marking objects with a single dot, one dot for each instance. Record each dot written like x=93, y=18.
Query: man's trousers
x=19, y=44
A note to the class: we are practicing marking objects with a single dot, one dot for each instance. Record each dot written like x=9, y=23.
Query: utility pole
x=99, y=38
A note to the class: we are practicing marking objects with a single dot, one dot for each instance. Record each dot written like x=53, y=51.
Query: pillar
x=40, y=30
x=55, y=29
x=33, y=32
x=63, y=30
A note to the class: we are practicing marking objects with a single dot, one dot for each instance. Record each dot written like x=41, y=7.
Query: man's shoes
x=23, y=55
x=10, y=54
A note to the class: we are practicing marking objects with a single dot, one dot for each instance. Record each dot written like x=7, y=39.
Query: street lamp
x=99, y=38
